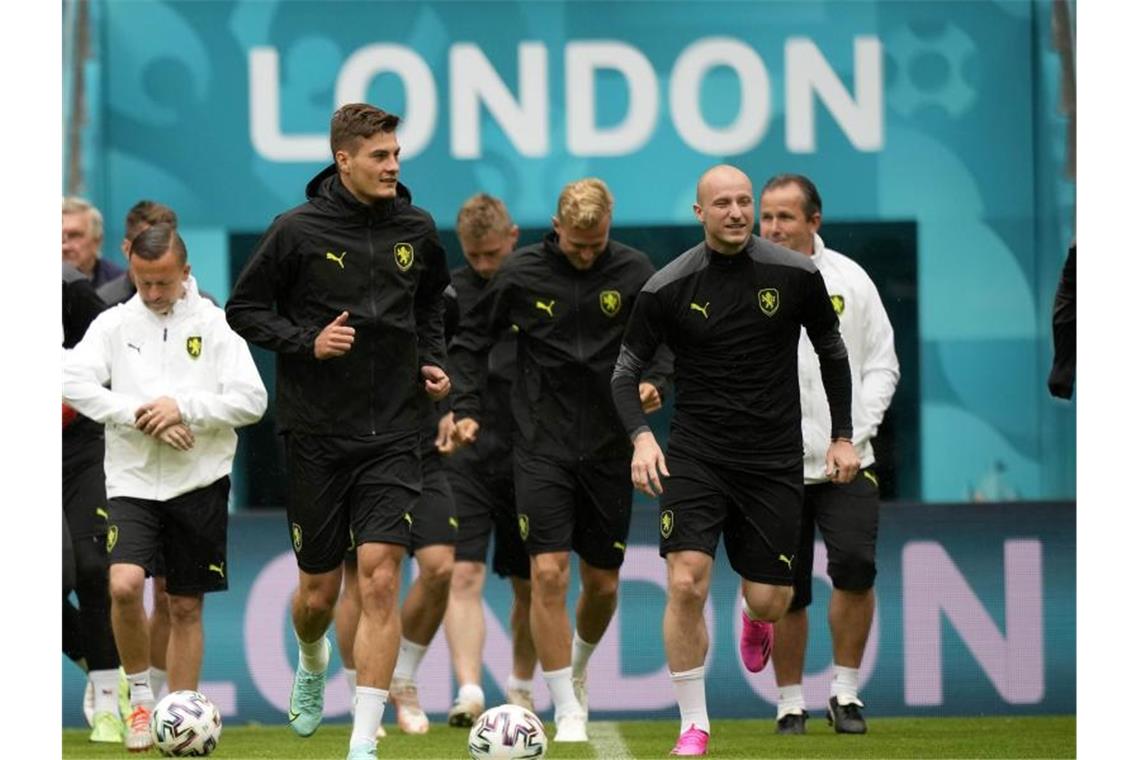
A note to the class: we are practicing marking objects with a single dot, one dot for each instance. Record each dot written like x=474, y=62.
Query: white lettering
x=583, y=136
x=932, y=585
x=265, y=115
x=694, y=63
x=418, y=121
x=807, y=72
x=525, y=122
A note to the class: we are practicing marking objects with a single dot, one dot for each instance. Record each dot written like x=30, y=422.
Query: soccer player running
x=731, y=310
x=178, y=381
x=847, y=513
x=346, y=289
x=569, y=296
x=483, y=484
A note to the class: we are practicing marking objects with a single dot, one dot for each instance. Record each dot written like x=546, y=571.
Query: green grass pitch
x=999, y=737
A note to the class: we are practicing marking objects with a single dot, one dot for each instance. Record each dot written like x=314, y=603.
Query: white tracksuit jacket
x=191, y=355
x=870, y=341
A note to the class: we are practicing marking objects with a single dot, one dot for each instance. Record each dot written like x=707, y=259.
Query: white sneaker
x=463, y=713
x=380, y=732
x=137, y=736
x=571, y=727
x=409, y=715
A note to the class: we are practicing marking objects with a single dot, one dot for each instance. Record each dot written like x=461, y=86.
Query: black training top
x=733, y=323
x=382, y=263
x=570, y=324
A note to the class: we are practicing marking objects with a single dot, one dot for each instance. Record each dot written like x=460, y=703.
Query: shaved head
x=724, y=208
x=718, y=177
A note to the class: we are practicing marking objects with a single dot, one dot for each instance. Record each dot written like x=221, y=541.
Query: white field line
x=605, y=738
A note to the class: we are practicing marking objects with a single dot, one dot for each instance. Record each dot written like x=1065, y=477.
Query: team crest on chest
x=838, y=304
x=769, y=300
x=610, y=301
x=405, y=256
x=194, y=346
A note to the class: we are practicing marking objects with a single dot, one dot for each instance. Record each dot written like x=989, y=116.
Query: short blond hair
x=480, y=215
x=73, y=204
x=584, y=202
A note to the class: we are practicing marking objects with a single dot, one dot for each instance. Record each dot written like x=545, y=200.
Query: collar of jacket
x=183, y=306
x=327, y=189
x=550, y=245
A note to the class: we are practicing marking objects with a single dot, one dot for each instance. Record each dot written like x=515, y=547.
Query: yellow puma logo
x=785, y=559
x=547, y=307
x=704, y=310
x=219, y=569
x=330, y=256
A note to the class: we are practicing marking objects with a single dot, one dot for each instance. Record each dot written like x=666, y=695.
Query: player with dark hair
x=347, y=290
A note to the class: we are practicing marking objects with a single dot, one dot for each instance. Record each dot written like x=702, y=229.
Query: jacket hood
x=326, y=186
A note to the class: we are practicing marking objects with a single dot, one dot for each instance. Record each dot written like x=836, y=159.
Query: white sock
x=791, y=700
x=690, y=688
x=140, y=689
x=580, y=655
x=845, y=684
x=350, y=676
x=561, y=691
x=369, y=711
x=471, y=692
x=106, y=686
x=314, y=655
x=157, y=680
x=748, y=611
x=523, y=684
x=408, y=660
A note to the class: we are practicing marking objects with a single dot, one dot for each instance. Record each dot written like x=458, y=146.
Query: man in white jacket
x=847, y=514
x=170, y=381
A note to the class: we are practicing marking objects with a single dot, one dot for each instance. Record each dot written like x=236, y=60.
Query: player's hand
x=444, y=430
x=155, y=416
x=436, y=382
x=650, y=397
x=842, y=462
x=336, y=339
x=648, y=465
x=465, y=432
x=178, y=437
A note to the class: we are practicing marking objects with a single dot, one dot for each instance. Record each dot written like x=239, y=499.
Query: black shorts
x=433, y=517
x=485, y=500
x=85, y=489
x=582, y=506
x=346, y=491
x=188, y=532
x=758, y=511
x=848, y=518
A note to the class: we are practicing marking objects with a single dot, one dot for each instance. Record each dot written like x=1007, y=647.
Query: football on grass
x=185, y=724
x=506, y=732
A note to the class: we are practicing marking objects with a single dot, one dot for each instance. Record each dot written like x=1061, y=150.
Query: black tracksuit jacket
x=385, y=265
x=570, y=325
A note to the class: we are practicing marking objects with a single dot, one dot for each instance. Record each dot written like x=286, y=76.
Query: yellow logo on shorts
x=786, y=560
x=871, y=477
x=112, y=537
x=453, y=522
x=351, y=540
x=296, y=537
x=524, y=526
x=219, y=569
x=408, y=518
x=667, y=523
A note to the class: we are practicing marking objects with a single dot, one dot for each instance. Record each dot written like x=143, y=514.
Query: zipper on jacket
x=372, y=307
x=581, y=360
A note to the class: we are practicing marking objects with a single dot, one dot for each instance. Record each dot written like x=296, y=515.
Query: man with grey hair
x=83, y=239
